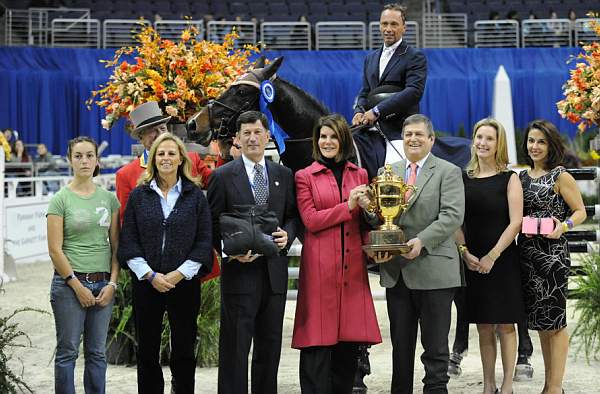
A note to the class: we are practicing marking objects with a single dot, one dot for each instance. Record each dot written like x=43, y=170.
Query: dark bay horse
x=296, y=112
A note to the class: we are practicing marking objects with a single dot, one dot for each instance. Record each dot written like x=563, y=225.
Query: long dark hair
x=340, y=127
x=556, y=147
x=84, y=138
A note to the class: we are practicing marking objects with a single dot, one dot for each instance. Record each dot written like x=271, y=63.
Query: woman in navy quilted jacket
x=166, y=243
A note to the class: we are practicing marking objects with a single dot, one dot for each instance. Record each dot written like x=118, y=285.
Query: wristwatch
x=69, y=277
x=376, y=111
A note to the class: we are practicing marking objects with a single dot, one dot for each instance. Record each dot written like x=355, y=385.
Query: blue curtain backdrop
x=43, y=90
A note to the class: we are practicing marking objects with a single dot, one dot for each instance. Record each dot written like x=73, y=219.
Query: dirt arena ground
x=32, y=289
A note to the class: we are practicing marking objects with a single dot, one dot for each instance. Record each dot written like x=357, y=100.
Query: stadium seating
x=314, y=10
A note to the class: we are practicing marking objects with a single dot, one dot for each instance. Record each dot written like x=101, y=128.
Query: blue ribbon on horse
x=267, y=95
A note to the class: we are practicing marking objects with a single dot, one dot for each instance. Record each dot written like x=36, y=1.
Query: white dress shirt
x=386, y=55
x=250, y=171
x=419, y=167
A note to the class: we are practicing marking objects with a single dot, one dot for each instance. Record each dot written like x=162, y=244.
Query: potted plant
x=587, y=307
x=120, y=347
x=11, y=336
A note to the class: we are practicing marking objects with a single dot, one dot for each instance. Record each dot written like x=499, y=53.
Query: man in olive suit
x=421, y=283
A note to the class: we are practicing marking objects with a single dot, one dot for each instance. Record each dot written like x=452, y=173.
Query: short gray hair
x=419, y=118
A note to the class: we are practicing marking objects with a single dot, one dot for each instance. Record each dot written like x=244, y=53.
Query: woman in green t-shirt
x=83, y=231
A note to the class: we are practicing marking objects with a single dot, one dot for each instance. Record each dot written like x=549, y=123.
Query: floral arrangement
x=582, y=91
x=181, y=76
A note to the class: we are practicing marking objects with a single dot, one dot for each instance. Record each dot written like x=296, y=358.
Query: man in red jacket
x=149, y=122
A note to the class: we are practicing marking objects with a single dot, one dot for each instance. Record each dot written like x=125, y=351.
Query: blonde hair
x=184, y=170
x=501, y=155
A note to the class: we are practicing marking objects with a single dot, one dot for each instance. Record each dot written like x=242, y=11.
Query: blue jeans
x=72, y=320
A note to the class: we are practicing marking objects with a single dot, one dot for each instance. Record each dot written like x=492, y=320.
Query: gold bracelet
x=462, y=248
x=493, y=255
x=565, y=227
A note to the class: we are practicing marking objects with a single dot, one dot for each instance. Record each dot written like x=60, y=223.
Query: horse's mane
x=310, y=101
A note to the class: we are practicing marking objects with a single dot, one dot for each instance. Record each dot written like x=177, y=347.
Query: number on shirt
x=104, y=219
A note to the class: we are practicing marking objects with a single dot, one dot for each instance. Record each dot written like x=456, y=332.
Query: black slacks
x=461, y=338
x=182, y=305
x=429, y=310
x=247, y=319
x=328, y=369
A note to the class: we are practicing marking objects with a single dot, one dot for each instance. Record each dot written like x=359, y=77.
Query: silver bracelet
x=113, y=284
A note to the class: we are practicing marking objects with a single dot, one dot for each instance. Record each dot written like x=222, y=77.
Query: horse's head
x=217, y=119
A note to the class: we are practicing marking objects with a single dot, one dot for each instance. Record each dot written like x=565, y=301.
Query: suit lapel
x=374, y=69
x=241, y=181
x=274, y=184
x=398, y=54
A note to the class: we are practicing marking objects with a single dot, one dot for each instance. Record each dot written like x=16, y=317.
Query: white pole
x=3, y=277
x=502, y=111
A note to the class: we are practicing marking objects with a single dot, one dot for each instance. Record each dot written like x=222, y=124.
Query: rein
x=226, y=124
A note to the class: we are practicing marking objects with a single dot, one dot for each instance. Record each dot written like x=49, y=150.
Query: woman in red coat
x=335, y=311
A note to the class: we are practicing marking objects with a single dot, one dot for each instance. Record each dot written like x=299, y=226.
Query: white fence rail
x=3, y=276
x=33, y=26
x=216, y=31
x=497, y=33
x=546, y=33
x=584, y=33
x=286, y=35
x=444, y=30
x=23, y=218
x=73, y=27
x=118, y=33
x=16, y=28
x=172, y=29
x=340, y=35
x=81, y=33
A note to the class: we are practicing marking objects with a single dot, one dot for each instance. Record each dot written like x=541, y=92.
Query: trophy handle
x=413, y=190
x=372, y=207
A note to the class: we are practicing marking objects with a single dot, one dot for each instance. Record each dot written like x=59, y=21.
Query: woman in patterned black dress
x=548, y=191
x=493, y=213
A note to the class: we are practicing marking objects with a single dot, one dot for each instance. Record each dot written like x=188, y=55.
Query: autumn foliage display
x=582, y=90
x=181, y=76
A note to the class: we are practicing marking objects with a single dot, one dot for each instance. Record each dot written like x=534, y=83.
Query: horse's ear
x=272, y=68
x=259, y=63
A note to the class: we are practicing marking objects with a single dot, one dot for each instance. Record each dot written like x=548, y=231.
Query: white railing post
x=3, y=276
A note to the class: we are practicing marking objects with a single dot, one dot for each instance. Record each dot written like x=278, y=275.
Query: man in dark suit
x=420, y=284
x=394, y=74
x=253, y=287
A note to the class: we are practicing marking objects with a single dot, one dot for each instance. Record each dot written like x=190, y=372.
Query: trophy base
x=395, y=249
x=391, y=241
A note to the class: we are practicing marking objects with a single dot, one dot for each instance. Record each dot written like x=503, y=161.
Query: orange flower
x=581, y=103
x=179, y=75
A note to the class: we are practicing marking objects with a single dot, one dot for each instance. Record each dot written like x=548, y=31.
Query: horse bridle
x=226, y=124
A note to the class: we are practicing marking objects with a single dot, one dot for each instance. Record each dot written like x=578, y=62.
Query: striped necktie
x=412, y=179
x=261, y=190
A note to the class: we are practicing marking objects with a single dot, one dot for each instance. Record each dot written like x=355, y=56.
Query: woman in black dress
x=493, y=213
x=548, y=191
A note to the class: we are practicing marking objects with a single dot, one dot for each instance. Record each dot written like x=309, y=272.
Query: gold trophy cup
x=388, y=192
